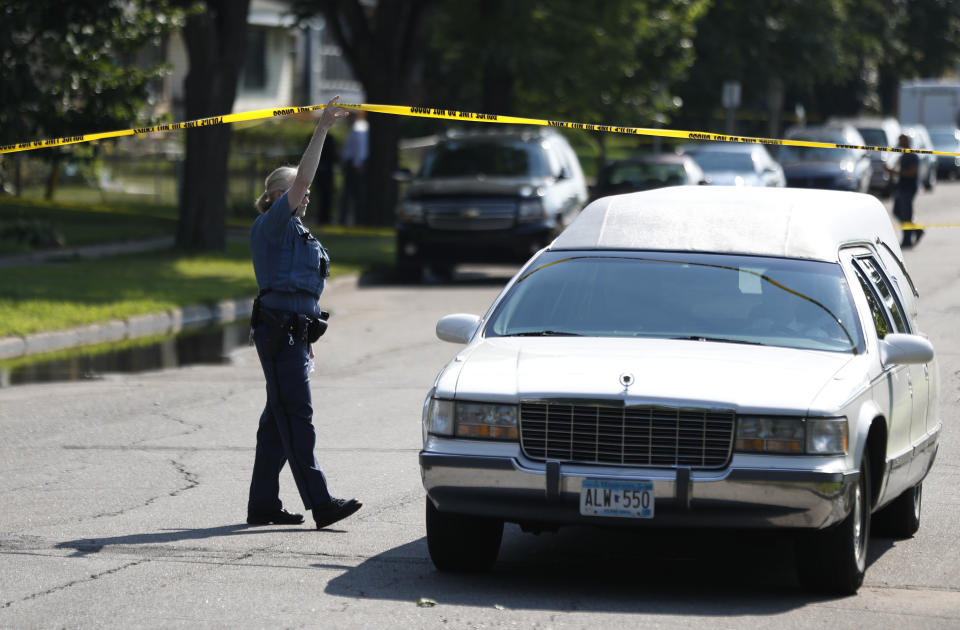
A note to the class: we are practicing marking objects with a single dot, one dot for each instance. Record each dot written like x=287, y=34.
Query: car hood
x=492, y=186
x=754, y=379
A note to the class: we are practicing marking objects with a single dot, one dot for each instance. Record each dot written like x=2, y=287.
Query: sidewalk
x=168, y=322
x=86, y=252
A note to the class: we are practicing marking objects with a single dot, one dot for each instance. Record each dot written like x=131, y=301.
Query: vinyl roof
x=784, y=222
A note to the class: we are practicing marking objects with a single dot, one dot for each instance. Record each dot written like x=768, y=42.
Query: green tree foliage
x=69, y=67
x=836, y=57
x=615, y=61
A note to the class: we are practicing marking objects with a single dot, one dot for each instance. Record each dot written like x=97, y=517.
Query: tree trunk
x=601, y=152
x=55, y=163
x=774, y=105
x=381, y=42
x=215, y=41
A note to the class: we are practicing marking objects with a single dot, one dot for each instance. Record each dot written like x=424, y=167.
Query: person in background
x=354, y=157
x=291, y=267
x=906, y=190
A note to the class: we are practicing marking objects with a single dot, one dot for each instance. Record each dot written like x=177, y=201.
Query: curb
x=164, y=323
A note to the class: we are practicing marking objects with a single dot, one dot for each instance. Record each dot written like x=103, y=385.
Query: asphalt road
x=124, y=501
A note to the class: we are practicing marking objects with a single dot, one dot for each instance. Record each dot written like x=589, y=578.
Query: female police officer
x=291, y=267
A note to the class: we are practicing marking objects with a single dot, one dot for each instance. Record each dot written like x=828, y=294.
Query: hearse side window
x=877, y=312
x=885, y=291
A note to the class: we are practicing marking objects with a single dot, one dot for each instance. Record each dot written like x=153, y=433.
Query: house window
x=255, y=60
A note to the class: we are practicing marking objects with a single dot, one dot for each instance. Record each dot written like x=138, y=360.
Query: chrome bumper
x=516, y=489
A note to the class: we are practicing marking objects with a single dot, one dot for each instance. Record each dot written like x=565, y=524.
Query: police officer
x=291, y=267
x=906, y=190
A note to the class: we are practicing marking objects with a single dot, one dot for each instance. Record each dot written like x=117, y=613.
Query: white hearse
x=692, y=357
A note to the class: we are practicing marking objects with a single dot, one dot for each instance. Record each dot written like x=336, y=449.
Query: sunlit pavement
x=124, y=500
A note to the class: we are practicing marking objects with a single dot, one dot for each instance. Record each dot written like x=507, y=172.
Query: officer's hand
x=331, y=113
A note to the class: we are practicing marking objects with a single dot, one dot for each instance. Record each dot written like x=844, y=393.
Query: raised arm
x=311, y=157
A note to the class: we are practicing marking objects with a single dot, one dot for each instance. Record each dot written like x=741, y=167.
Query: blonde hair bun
x=279, y=179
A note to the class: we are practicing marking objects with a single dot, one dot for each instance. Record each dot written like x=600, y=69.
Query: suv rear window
x=503, y=158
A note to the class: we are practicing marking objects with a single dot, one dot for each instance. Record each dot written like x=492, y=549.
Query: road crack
x=62, y=587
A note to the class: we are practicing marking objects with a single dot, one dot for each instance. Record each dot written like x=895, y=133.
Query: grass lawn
x=65, y=295
x=78, y=224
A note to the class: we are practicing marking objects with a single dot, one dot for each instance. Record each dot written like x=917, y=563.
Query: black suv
x=495, y=196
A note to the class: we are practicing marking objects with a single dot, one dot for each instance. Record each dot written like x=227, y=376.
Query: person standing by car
x=906, y=190
x=356, y=149
x=291, y=267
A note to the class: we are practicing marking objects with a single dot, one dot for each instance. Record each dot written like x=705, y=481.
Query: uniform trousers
x=286, y=432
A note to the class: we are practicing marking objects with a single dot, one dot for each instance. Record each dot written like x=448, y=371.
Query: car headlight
x=770, y=434
x=826, y=436
x=472, y=420
x=439, y=418
x=479, y=420
x=530, y=210
x=410, y=211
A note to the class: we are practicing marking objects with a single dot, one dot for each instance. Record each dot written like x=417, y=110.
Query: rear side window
x=882, y=285
x=880, y=321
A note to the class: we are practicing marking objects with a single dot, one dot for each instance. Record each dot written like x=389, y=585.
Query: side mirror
x=402, y=175
x=458, y=328
x=899, y=348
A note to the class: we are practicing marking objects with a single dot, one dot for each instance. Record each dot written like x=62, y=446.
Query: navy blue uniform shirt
x=288, y=260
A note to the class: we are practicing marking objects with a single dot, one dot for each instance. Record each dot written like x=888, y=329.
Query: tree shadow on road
x=726, y=573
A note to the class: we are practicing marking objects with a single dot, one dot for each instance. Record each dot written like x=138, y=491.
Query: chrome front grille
x=471, y=214
x=651, y=436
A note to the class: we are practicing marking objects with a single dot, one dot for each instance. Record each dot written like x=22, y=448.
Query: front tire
x=460, y=542
x=834, y=560
x=901, y=519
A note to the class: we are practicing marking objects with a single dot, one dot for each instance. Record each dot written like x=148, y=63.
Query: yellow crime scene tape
x=449, y=114
x=463, y=116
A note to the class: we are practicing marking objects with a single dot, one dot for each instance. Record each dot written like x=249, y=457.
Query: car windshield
x=502, y=158
x=644, y=174
x=874, y=137
x=725, y=161
x=944, y=139
x=700, y=297
x=814, y=154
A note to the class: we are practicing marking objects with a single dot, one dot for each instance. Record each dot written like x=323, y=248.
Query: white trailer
x=930, y=102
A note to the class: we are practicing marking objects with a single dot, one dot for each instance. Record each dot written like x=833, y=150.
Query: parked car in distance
x=920, y=139
x=734, y=164
x=877, y=132
x=487, y=196
x=646, y=172
x=836, y=169
x=692, y=357
x=946, y=139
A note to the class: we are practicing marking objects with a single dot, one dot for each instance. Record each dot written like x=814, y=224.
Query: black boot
x=336, y=510
x=280, y=517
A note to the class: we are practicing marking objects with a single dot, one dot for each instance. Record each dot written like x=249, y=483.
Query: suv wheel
x=459, y=542
x=835, y=560
x=901, y=519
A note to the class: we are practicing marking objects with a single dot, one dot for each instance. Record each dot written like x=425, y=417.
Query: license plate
x=628, y=499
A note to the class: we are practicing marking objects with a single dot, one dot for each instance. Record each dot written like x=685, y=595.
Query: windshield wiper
x=545, y=333
x=719, y=340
